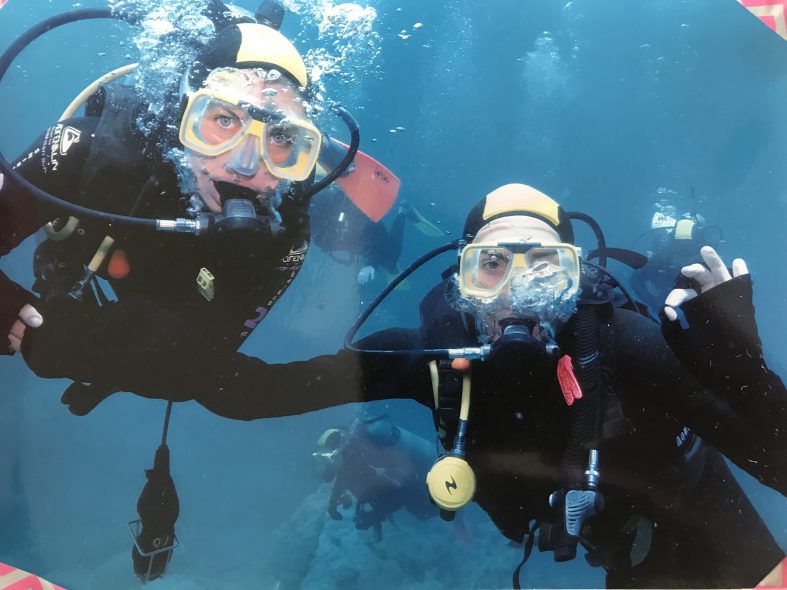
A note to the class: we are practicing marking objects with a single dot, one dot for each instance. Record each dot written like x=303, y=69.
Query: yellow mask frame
x=512, y=255
x=265, y=124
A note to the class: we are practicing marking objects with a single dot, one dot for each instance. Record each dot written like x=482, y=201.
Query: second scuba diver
x=560, y=411
x=214, y=187
x=243, y=120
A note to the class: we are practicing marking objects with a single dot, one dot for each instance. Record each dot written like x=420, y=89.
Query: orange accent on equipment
x=568, y=382
x=771, y=12
x=12, y=578
x=370, y=186
x=460, y=364
x=118, y=267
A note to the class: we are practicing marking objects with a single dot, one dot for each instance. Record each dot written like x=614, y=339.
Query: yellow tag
x=205, y=284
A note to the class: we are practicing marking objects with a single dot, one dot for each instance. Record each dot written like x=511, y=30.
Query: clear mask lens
x=289, y=146
x=486, y=270
x=534, y=282
x=290, y=149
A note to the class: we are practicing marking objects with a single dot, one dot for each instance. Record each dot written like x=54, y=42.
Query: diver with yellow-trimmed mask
x=166, y=224
x=571, y=418
x=199, y=222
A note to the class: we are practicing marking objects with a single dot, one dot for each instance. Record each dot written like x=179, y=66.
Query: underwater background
x=613, y=107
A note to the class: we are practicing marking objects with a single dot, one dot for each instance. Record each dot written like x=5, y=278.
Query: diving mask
x=487, y=271
x=213, y=124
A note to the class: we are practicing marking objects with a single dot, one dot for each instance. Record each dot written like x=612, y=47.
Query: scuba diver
x=232, y=215
x=194, y=212
x=673, y=245
x=381, y=465
x=565, y=416
x=351, y=238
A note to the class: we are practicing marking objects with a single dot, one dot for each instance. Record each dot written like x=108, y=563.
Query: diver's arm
x=137, y=347
x=247, y=388
x=339, y=495
x=660, y=383
x=720, y=343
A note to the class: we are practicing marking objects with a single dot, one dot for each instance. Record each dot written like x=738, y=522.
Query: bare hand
x=713, y=273
x=28, y=316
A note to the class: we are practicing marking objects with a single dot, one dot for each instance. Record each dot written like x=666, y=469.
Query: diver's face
x=256, y=89
x=516, y=228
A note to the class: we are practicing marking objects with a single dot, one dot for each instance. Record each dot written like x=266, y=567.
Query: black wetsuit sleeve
x=721, y=347
x=247, y=388
x=53, y=163
x=659, y=383
x=141, y=349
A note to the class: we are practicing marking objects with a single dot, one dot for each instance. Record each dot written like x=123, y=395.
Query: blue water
x=597, y=103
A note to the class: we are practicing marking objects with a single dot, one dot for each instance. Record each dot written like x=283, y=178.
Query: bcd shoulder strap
x=447, y=391
x=116, y=167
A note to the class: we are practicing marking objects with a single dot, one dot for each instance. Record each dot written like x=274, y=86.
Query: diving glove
x=12, y=299
x=720, y=344
x=130, y=345
x=722, y=349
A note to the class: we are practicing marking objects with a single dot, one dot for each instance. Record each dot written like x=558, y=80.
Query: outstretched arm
x=137, y=347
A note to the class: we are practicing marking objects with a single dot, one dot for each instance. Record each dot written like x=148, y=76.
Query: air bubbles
x=348, y=43
x=273, y=76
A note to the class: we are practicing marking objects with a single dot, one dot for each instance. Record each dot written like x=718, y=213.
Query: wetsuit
x=105, y=163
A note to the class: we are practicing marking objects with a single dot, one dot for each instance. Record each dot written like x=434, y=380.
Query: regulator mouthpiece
x=239, y=209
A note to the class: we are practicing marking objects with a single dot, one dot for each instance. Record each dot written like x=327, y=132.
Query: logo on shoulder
x=449, y=485
x=296, y=254
x=69, y=137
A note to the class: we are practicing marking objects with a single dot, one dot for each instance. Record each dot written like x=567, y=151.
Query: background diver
x=379, y=464
x=559, y=411
x=351, y=238
x=671, y=244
